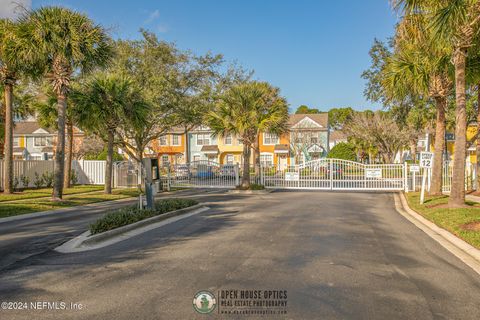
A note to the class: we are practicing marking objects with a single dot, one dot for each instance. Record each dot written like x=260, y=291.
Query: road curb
x=85, y=241
x=461, y=249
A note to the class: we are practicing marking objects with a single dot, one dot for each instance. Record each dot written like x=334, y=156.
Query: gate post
x=331, y=173
x=237, y=177
x=405, y=173
x=168, y=178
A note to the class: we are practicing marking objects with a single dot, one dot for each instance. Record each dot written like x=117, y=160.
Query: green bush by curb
x=129, y=215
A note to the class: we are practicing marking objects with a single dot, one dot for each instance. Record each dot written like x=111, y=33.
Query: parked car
x=228, y=170
x=204, y=171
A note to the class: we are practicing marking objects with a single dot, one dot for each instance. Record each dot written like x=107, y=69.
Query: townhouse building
x=170, y=147
x=31, y=141
x=307, y=139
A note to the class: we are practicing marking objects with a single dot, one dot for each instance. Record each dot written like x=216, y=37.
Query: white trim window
x=266, y=159
x=203, y=139
x=229, y=159
x=42, y=141
x=165, y=161
x=270, y=138
x=196, y=157
x=227, y=140
x=162, y=140
x=175, y=139
x=16, y=141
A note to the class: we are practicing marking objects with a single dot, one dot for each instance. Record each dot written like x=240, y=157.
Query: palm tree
x=421, y=68
x=101, y=104
x=454, y=23
x=246, y=110
x=47, y=114
x=15, y=61
x=67, y=42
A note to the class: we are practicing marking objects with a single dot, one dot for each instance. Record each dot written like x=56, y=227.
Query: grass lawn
x=73, y=199
x=453, y=220
x=46, y=192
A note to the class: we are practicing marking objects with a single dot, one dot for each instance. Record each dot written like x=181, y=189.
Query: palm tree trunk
x=256, y=156
x=8, y=159
x=478, y=139
x=436, y=184
x=68, y=161
x=60, y=149
x=246, y=165
x=457, y=194
x=109, y=164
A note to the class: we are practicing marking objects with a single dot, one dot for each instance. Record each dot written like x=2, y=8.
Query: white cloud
x=162, y=29
x=151, y=17
x=12, y=8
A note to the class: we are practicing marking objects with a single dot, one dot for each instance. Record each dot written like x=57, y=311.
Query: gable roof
x=320, y=118
x=29, y=127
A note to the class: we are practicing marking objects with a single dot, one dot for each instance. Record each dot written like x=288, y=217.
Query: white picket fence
x=88, y=171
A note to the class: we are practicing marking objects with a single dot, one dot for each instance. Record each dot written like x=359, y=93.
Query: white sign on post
x=426, y=162
x=426, y=159
x=375, y=173
x=414, y=168
x=292, y=176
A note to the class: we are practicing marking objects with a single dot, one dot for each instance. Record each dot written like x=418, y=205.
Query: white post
x=169, y=177
x=405, y=173
x=414, y=182
x=237, y=177
x=424, y=180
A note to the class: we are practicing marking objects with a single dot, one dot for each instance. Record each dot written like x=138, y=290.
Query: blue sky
x=315, y=51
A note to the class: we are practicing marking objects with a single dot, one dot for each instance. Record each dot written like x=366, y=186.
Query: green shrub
x=253, y=186
x=38, y=181
x=73, y=177
x=344, y=151
x=25, y=181
x=129, y=215
x=47, y=178
x=15, y=184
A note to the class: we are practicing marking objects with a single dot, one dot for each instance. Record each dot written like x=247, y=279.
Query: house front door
x=282, y=163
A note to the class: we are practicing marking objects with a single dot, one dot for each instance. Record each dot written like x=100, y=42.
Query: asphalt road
x=338, y=255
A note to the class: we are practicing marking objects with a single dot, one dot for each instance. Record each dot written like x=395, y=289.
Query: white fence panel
x=90, y=171
x=29, y=169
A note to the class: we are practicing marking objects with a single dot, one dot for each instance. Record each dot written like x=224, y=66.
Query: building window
x=16, y=141
x=270, y=139
x=178, y=158
x=266, y=160
x=203, y=139
x=165, y=161
x=196, y=158
x=162, y=140
x=314, y=140
x=230, y=158
x=175, y=139
x=228, y=139
x=42, y=141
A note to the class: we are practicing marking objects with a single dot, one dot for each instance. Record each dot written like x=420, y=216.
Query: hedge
x=124, y=216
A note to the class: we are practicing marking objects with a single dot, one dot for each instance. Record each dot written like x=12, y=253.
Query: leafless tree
x=379, y=130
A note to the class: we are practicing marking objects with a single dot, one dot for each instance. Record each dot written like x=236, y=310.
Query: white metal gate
x=336, y=174
x=203, y=174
